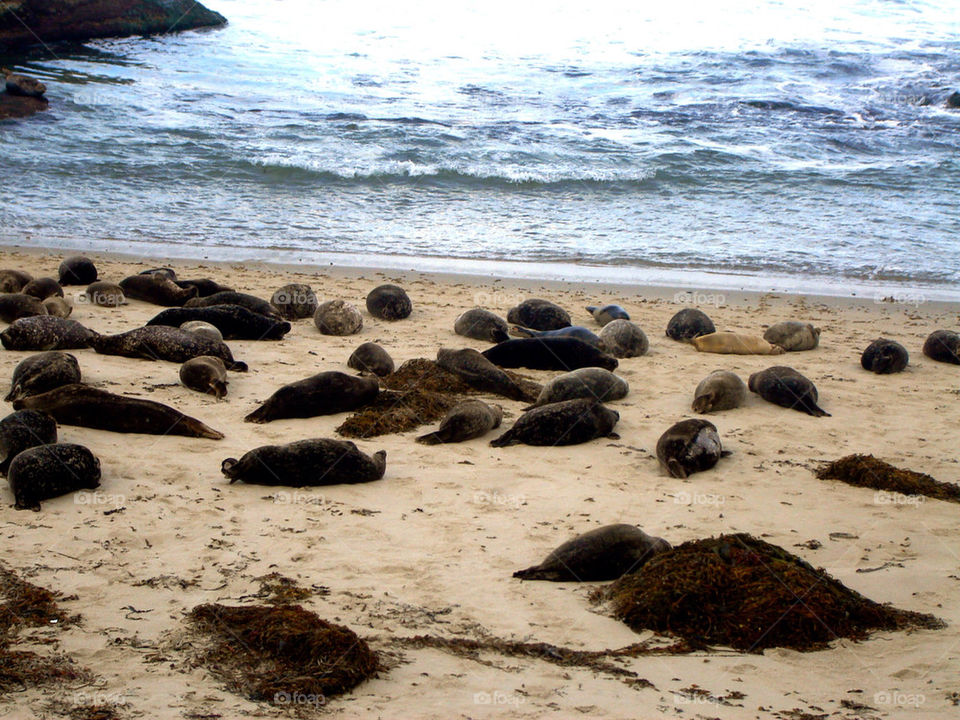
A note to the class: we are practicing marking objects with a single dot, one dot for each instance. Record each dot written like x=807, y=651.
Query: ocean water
x=762, y=138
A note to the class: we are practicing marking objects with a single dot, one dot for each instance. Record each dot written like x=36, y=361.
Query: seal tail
x=430, y=439
x=199, y=429
x=520, y=331
x=811, y=408
x=15, y=393
x=536, y=573
x=504, y=440
x=675, y=468
x=260, y=415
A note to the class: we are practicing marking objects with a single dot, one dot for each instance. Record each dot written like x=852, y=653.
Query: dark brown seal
x=689, y=323
x=943, y=346
x=884, y=356
x=549, y=353
x=539, y=314
x=787, y=388
x=206, y=374
x=24, y=429
x=156, y=288
x=42, y=288
x=465, y=421
x=326, y=393
x=570, y=422
x=13, y=281
x=389, y=302
x=14, y=306
x=690, y=446
x=49, y=471
x=250, y=302
x=371, y=358
x=233, y=321
x=303, y=463
x=77, y=270
x=42, y=372
x=479, y=373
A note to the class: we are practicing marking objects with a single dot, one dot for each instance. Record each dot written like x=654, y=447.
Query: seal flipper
x=675, y=468
x=504, y=440
x=536, y=573
x=430, y=439
x=811, y=408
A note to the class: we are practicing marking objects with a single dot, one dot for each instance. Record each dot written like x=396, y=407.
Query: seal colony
x=447, y=524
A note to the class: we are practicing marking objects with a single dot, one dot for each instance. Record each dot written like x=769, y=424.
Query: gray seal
x=230, y=297
x=624, y=339
x=24, y=429
x=605, y=553
x=465, y=421
x=57, y=306
x=49, y=471
x=295, y=301
x=787, y=388
x=570, y=422
x=690, y=446
x=42, y=372
x=206, y=374
x=720, y=390
x=105, y=294
x=943, y=346
x=161, y=342
x=233, y=321
x=884, y=357
x=13, y=281
x=46, y=332
x=77, y=270
x=688, y=324
x=85, y=406
x=303, y=463
x=338, y=317
x=156, y=288
x=539, y=315
x=480, y=324
x=14, y=306
x=325, y=393
x=575, y=331
x=42, y=288
x=479, y=373
x=592, y=382
x=389, y=302
x=549, y=353
x=607, y=313
x=793, y=335
x=371, y=358
x=203, y=329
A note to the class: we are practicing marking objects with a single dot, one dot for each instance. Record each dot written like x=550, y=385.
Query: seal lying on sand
x=206, y=374
x=234, y=322
x=792, y=335
x=539, y=315
x=732, y=343
x=784, y=386
x=884, y=356
x=481, y=324
x=105, y=294
x=84, y=406
x=49, y=471
x=42, y=372
x=943, y=346
x=607, y=313
x=45, y=332
x=77, y=270
x=465, y=421
x=306, y=462
x=555, y=353
x=58, y=306
x=205, y=286
x=230, y=297
x=326, y=393
x=161, y=342
x=570, y=422
x=371, y=358
x=690, y=446
x=688, y=324
x=575, y=331
x=295, y=301
x=389, y=302
x=338, y=317
x=14, y=306
x=479, y=373
x=42, y=288
x=592, y=382
x=720, y=390
x=24, y=429
x=13, y=281
x=624, y=339
x=203, y=329
x=605, y=553
x=156, y=288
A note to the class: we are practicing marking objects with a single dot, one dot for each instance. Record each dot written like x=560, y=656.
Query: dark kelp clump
x=866, y=471
x=425, y=375
x=394, y=412
x=263, y=652
x=744, y=593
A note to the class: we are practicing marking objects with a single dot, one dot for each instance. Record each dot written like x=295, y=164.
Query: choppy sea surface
x=768, y=139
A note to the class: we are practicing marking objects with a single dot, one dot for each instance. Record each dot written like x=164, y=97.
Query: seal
x=161, y=342
x=206, y=374
x=14, y=306
x=13, y=281
x=45, y=332
x=337, y=317
x=320, y=461
x=720, y=390
x=42, y=288
x=570, y=422
x=793, y=335
x=295, y=301
x=624, y=339
x=250, y=302
x=465, y=421
x=690, y=446
x=605, y=553
x=539, y=315
x=371, y=358
x=205, y=286
x=58, y=307
x=607, y=313
x=105, y=294
x=157, y=288
x=787, y=388
x=575, y=331
x=480, y=324
x=731, y=343
x=77, y=270
x=233, y=321
x=24, y=429
x=85, y=406
x=479, y=373
x=325, y=393
x=42, y=372
x=168, y=273
x=49, y=471
x=389, y=302
x=559, y=353
x=688, y=324
x=943, y=346
x=203, y=329
x=884, y=357
x=592, y=382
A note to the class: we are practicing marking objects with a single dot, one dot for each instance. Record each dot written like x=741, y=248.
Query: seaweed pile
x=272, y=654
x=866, y=471
x=744, y=593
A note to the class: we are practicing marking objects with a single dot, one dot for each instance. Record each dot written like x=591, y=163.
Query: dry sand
x=430, y=549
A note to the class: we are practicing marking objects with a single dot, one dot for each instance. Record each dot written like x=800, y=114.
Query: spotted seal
x=41, y=372
x=690, y=446
x=793, y=335
x=325, y=393
x=607, y=313
x=465, y=421
x=303, y=463
x=552, y=353
x=338, y=317
x=884, y=356
x=161, y=342
x=24, y=429
x=591, y=382
x=539, y=314
x=49, y=471
x=206, y=374
x=570, y=422
x=371, y=358
x=389, y=302
x=295, y=301
x=46, y=332
x=787, y=388
x=624, y=339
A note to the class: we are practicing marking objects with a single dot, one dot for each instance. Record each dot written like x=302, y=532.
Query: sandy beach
x=430, y=549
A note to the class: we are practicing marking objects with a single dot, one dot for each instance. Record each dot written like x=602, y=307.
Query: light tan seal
x=731, y=343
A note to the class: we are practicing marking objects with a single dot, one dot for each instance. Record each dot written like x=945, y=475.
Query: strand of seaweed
x=867, y=471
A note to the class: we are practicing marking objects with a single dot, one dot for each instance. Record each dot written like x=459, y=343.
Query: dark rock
x=16, y=106
x=25, y=86
x=954, y=100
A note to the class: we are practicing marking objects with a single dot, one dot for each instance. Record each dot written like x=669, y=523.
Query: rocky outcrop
x=18, y=106
x=30, y=22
